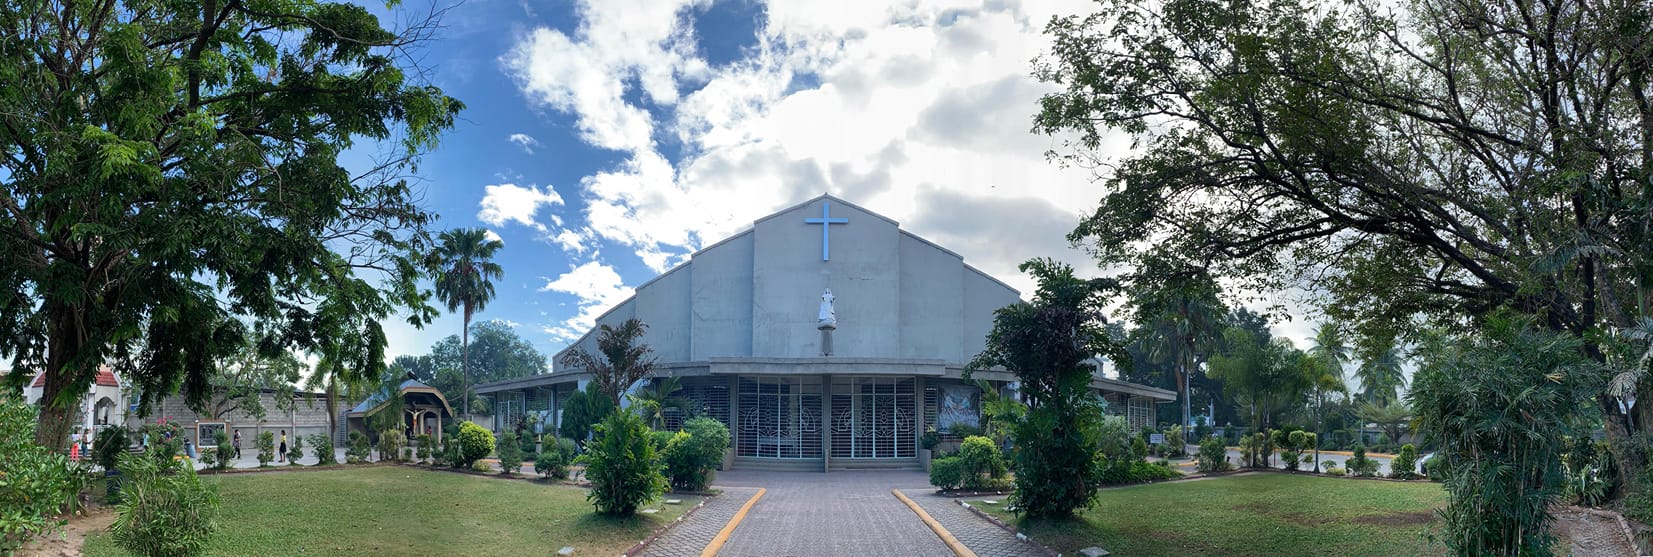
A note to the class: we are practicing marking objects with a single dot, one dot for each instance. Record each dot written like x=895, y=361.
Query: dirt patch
x=1591, y=534
x=1413, y=518
x=68, y=541
x=1298, y=518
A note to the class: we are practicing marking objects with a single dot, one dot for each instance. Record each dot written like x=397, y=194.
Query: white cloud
x=504, y=203
x=598, y=288
x=525, y=141
x=919, y=111
x=491, y=235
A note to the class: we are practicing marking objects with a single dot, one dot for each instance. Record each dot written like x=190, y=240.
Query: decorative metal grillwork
x=779, y=418
x=873, y=418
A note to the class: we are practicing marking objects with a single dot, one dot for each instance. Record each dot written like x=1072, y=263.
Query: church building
x=825, y=337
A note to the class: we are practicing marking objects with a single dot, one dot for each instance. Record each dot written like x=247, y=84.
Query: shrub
x=1405, y=464
x=660, y=438
x=1114, y=437
x=583, y=410
x=481, y=466
x=358, y=450
x=266, y=449
x=1255, y=450
x=694, y=453
x=322, y=445
x=109, y=445
x=621, y=465
x=1213, y=456
x=295, y=450
x=510, y=453
x=1139, y=449
x=475, y=442
x=555, y=457
x=165, y=511
x=166, y=441
x=452, y=454
x=930, y=439
x=1432, y=470
x=525, y=442
x=1175, y=445
x=982, y=462
x=947, y=473
x=1359, y=465
x=391, y=442
x=1122, y=472
x=35, y=483
x=424, y=451
x=1333, y=470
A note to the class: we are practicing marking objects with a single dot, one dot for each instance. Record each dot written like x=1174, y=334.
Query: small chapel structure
x=824, y=336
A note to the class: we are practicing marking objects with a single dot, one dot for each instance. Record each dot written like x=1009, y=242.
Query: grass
x=1271, y=515
x=395, y=510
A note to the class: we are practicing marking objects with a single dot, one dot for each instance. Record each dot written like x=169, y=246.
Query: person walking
x=282, y=456
x=237, y=444
x=74, y=446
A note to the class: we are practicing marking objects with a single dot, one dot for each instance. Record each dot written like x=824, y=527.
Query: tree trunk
x=465, y=362
x=1618, y=439
x=62, y=345
x=333, y=408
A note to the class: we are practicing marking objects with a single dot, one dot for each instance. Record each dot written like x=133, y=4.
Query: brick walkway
x=983, y=537
x=837, y=513
x=690, y=537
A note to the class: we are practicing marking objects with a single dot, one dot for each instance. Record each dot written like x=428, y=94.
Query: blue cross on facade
x=826, y=221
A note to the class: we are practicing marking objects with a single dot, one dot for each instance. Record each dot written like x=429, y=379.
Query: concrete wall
x=757, y=294
x=307, y=418
x=721, y=296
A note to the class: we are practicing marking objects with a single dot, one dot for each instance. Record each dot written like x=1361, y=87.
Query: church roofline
x=831, y=197
x=990, y=277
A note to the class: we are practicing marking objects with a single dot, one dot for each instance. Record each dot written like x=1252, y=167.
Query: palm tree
x=1380, y=375
x=1183, y=324
x=1328, y=355
x=463, y=265
x=338, y=382
x=658, y=397
x=1001, y=411
x=624, y=362
x=1392, y=417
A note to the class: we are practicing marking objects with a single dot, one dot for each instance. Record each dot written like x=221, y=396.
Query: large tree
x=1179, y=320
x=166, y=166
x=1049, y=345
x=1433, y=160
x=465, y=271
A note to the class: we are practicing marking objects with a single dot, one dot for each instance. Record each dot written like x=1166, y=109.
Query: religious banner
x=960, y=405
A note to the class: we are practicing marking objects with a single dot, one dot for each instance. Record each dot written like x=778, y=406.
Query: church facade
x=825, y=337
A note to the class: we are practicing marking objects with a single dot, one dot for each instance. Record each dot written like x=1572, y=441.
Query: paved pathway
x=837, y=513
x=983, y=537
x=690, y=537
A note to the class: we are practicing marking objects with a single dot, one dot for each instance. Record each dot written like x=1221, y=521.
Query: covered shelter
x=424, y=411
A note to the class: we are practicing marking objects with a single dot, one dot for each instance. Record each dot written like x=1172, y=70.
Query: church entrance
x=873, y=418
x=780, y=417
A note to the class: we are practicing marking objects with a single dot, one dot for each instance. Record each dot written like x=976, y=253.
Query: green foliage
x=623, y=362
x=1405, y=464
x=1114, y=437
x=660, y=438
x=108, y=446
x=930, y=439
x=322, y=446
x=555, y=457
x=391, y=442
x=266, y=448
x=226, y=450
x=947, y=473
x=585, y=408
x=510, y=452
x=166, y=440
x=1292, y=444
x=496, y=352
x=1267, y=376
x=1359, y=465
x=692, y=454
x=1139, y=449
x=35, y=484
x=1048, y=345
x=424, y=451
x=1256, y=450
x=1333, y=470
x=359, y=450
x=164, y=511
x=1463, y=406
x=1213, y=456
x=982, y=463
x=452, y=454
x=463, y=266
x=1175, y=445
x=475, y=442
x=621, y=465
x=1122, y=472
x=196, y=176
x=1588, y=469
x=295, y=450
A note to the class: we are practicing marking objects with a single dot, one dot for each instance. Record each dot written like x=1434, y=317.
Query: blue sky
x=604, y=141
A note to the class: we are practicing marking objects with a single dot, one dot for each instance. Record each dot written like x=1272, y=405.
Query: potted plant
x=927, y=443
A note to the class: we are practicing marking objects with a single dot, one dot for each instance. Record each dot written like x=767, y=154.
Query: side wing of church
x=825, y=337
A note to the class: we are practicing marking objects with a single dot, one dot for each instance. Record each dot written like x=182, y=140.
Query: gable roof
x=106, y=378
x=372, y=403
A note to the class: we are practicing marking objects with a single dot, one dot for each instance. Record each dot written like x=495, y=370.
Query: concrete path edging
x=723, y=535
x=941, y=531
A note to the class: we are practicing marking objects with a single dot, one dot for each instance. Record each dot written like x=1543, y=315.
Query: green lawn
x=395, y=510
x=1271, y=515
